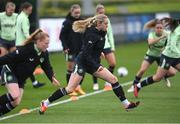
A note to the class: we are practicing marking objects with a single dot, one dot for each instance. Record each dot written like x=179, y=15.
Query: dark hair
x=74, y=6
x=25, y=6
x=172, y=23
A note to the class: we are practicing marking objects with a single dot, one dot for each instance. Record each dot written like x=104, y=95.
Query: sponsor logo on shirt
x=90, y=42
x=31, y=59
x=41, y=60
x=17, y=52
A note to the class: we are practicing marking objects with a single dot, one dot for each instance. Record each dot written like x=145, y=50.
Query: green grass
x=158, y=103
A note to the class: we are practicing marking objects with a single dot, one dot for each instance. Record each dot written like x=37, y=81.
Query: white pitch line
x=62, y=102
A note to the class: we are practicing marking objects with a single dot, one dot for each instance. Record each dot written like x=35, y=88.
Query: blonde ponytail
x=82, y=25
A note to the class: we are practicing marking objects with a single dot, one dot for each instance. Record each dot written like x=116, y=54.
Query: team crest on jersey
x=41, y=60
x=90, y=42
x=70, y=56
x=146, y=57
x=80, y=71
x=9, y=78
x=31, y=59
x=167, y=65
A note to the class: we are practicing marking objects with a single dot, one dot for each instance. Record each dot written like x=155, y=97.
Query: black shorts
x=70, y=57
x=81, y=69
x=166, y=62
x=7, y=44
x=151, y=59
x=107, y=51
x=7, y=77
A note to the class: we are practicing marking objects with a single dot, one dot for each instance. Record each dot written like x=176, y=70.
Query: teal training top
x=109, y=42
x=172, y=48
x=8, y=26
x=22, y=28
x=156, y=48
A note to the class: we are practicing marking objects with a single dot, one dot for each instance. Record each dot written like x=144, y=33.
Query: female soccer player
x=20, y=64
x=7, y=29
x=108, y=50
x=94, y=30
x=157, y=40
x=22, y=33
x=71, y=42
x=170, y=56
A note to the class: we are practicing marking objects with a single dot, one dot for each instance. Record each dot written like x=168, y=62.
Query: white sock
x=125, y=102
x=139, y=85
x=46, y=102
x=35, y=83
x=107, y=84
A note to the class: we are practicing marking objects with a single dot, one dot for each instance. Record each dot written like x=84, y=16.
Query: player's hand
x=102, y=55
x=66, y=51
x=55, y=81
x=100, y=69
x=163, y=36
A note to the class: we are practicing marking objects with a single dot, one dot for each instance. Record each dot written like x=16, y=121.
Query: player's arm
x=64, y=35
x=110, y=36
x=25, y=27
x=46, y=66
x=18, y=55
x=174, y=43
x=152, y=40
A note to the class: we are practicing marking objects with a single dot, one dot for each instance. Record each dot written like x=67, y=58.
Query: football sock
x=147, y=81
x=6, y=98
x=57, y=94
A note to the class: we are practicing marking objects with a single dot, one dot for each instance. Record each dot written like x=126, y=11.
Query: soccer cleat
x=131, y=89
x=136, y=90
x=80, y=90
x=132, y=105
x=96, y=86
x=42, y=108
x=38, y=85
x=168, y=83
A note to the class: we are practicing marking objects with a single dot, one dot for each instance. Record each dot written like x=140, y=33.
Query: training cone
x=38, y=71
x=24, y=111
x=74, y=98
